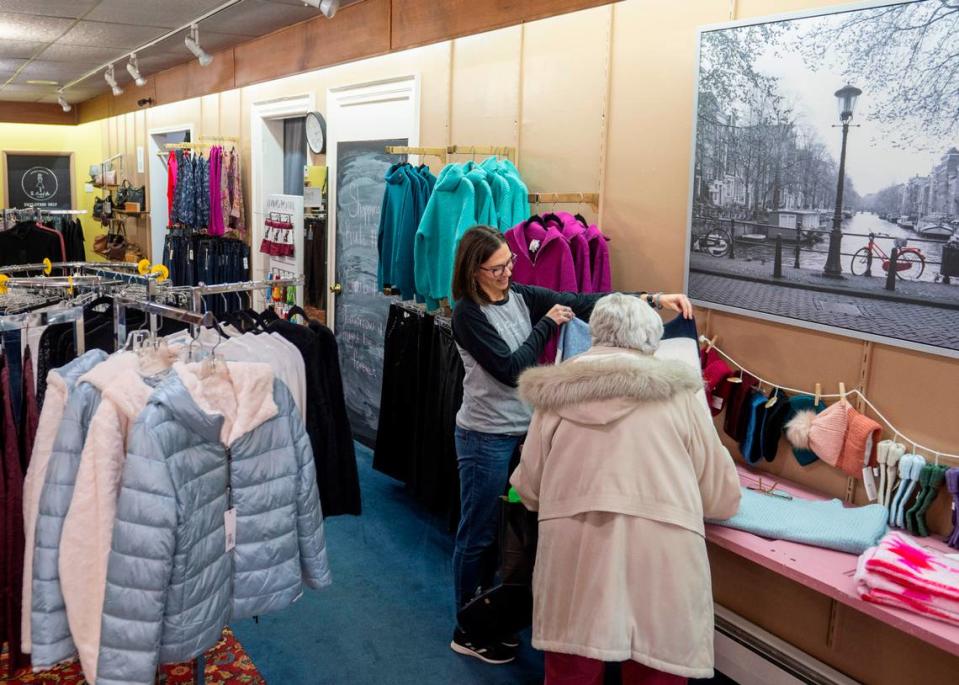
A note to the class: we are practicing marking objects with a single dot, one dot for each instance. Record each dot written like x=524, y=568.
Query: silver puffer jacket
x=203, y=444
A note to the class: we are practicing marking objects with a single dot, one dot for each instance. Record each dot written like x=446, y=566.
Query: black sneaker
x=490, y=652
x=511, y=641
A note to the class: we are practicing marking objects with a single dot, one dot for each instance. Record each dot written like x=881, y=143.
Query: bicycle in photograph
x=910, y=263
x=715, y=242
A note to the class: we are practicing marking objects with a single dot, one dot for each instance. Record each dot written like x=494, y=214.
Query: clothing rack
x=937, y=454
x=591, y=199
x=67, y=265
x=444, y=152
x=16, y=322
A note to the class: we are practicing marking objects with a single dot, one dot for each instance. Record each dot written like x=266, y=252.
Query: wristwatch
x=656, y=301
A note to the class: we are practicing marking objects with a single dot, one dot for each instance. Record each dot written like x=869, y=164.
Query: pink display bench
x=827, y=571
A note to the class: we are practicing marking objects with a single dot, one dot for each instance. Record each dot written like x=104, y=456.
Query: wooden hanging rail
x=185, y=146
x=228, y=139
x=444, y=152
x=591, y=199
x=427, y=151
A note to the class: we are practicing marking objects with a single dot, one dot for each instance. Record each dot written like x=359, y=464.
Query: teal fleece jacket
x=397, y=221
x=450, y=212
x=485, y=208
x=502, y=193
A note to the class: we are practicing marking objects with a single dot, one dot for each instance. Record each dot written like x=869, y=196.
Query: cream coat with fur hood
x=622, y=462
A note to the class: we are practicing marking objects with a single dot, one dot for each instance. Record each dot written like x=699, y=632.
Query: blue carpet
x=388, y=617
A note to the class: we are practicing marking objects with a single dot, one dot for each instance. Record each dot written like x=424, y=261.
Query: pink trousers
x=568, y=669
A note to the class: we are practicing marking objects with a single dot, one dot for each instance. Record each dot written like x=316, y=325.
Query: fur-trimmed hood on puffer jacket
x=603, y=385
x=618, y=431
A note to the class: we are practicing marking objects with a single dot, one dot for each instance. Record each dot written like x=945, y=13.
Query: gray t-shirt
x=490, y=406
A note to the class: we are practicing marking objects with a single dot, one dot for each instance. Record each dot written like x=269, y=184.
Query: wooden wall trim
x=37, y=113
x=364, y=29
x=421, y=22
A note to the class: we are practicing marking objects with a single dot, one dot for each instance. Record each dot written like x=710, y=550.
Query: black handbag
x=127, y=192
x=508, y=607
x=98, y=208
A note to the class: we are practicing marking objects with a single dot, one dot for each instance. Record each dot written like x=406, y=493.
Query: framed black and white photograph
x=824, y=184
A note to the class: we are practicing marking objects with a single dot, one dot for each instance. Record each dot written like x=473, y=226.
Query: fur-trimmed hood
x=605, y=383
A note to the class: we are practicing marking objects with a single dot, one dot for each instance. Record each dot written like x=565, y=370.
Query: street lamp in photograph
x=846, y=99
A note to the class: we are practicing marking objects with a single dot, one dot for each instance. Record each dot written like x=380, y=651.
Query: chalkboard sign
x=361, y=311
x=39, y=180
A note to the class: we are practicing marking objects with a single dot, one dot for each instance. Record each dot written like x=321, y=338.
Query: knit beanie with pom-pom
x=798, y=403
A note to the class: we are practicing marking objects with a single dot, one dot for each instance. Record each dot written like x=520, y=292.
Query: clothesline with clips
x=843, y=394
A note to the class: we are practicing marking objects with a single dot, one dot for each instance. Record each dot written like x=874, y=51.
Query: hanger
x=297, y=310
x=769, y=490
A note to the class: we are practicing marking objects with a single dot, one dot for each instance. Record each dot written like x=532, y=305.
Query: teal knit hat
x=798, y=403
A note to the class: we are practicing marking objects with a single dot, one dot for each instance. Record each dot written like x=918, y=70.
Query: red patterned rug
x=226, y=664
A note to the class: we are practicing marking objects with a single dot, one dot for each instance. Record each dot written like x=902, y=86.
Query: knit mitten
x=936, y=478
x=896, y=450
x=911, y=512
x=918, y=463
x=882, y=453
x=952, y=483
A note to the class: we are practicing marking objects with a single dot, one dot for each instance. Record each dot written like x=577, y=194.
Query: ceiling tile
x=110, y=35
x=54, y=71
x=20, y=49
x=23, y=93
x=9, y=66
x=257, y=17
x=81, y=54
x=25, y=27
x=168, y=13
x=49, y=8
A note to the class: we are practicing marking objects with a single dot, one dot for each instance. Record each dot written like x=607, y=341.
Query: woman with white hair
x=623, y=463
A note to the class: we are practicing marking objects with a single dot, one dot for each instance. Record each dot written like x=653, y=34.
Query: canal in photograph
x=855, y=235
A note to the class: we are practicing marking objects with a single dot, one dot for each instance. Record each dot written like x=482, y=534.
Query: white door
x=361, y=121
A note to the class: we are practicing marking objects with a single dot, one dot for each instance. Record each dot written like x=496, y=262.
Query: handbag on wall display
x=117, y=242
x=100, y=244
x=132, y=194
x=98, y=208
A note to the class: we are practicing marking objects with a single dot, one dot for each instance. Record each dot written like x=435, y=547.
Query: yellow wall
x=83, y=141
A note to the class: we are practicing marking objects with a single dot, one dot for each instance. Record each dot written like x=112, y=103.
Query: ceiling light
x=41, y=82
x=133, y=66
x=62, y=102
x=111, y=80
x=192, y=42
x=327, y=7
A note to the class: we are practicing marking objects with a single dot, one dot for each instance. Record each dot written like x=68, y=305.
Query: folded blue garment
x=825, y=523
x=574, y=338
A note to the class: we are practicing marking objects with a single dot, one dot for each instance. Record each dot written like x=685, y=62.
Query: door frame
x=338, y=100
x=157, y=173
x=262, y=114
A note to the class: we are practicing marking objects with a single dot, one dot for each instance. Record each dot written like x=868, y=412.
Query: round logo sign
x=39, y=184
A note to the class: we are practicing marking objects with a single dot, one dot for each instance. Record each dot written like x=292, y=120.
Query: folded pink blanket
x=900, y=573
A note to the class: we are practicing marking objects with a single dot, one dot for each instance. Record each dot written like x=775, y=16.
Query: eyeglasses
x=497, y=271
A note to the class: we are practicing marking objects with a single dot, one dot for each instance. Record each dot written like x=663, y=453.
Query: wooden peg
x=842, y=391
x=736, y=379
x=771, y=402
x=818, y=393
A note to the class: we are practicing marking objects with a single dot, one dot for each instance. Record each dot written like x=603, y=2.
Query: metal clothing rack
x=16, y=322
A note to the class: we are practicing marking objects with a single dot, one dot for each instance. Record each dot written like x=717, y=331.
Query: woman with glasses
x=501, y=329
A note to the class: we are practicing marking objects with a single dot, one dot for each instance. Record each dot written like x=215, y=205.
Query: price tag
x=870, y=482
x=191, y=254
x=246, y=264
x=717, y=402
x=229, y=525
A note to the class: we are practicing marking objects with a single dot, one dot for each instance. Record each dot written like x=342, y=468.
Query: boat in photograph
x=935, y=227
x=907, y=222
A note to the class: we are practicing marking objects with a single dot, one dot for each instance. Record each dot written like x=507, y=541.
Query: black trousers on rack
x=399, y=398
x=422, y=392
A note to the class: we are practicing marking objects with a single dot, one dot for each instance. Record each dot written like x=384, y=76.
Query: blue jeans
x=483, y=460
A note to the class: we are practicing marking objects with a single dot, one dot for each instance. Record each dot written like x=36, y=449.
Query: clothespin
x=771, y=402
x=842, y=391
x=818, y=394
x=710, y=344
x=736, y=379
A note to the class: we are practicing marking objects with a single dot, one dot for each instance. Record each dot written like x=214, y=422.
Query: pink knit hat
x=859, y=448
x=715, y=373
x=828, y=433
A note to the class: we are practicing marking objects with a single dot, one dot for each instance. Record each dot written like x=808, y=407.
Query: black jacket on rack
x=27, y=243
x=327, y=423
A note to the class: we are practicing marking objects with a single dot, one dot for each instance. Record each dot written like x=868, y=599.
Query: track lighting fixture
x=192, y=42
x=111, y=80
x=62, y=102
x=327, y=7
x=133, y=66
